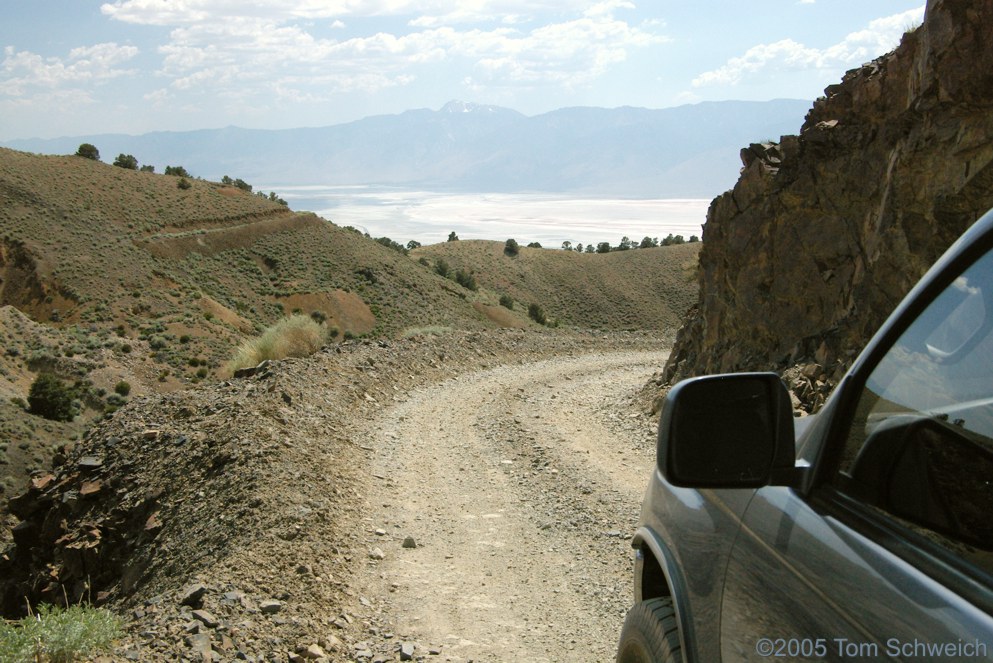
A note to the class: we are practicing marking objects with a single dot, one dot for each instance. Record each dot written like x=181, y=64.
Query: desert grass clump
x=59, y=635
x=295, y=336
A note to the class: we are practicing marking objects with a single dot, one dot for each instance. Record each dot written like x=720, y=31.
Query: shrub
x=59, y=635
x=507, y=301
x=183, y=183
x=178, y=171
x=536, y=313
x=123, y=388
x=392, y=244
x=295, y=336
x=466, y=279
x=452, y=237
x=50, y=398
x=441, y=268
x=88, y=151
x=126, y=161
x=534, y=245
x=147, y=169
x=511, y=248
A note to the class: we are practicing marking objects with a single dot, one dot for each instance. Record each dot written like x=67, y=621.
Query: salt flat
x=428, y=217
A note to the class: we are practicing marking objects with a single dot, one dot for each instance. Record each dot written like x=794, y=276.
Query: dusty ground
x=520, y=487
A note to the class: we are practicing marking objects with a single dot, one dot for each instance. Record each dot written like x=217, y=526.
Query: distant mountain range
x=688, y=151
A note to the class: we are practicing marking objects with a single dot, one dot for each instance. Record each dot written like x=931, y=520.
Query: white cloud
x=24, y=71
x=186, y=12
x=880, y=36
x=244, y=53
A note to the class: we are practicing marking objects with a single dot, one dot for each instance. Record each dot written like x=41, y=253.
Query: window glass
x=921, y=444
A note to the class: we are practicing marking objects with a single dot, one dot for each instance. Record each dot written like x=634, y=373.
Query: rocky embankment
x=826, y=231
x=231, y=521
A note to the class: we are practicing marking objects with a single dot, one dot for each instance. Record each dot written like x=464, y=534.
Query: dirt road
x=502, y=505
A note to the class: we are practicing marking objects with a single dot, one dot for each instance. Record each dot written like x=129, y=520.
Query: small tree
x=178, y=171
x=625, y=244
x=534, y=245
x=50, y=398
x=147, y=169
x=592, y=249
x=579, y=248
x=183, y=183
x=441, y=268
x=413, y=244
x=536, y=313
x=694, y=238
x=466, y=279
x=88, y=151
x=126, y=161
x=452, y=237
x=567, y=245
x=511, y=248
x=507, y=301
x=603, y=247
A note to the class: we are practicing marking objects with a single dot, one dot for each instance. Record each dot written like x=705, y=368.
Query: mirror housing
x=726, y=431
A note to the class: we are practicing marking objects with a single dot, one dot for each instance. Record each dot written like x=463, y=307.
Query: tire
x=650, y=634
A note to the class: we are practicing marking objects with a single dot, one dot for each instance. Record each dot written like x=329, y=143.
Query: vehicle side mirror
x=726, y=431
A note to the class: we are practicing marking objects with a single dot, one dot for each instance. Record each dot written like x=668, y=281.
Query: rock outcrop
x=825, y=232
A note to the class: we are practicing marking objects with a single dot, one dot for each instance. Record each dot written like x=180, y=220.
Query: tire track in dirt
x=521, y=487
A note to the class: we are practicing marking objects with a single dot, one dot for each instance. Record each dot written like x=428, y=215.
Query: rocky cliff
x=826, y=231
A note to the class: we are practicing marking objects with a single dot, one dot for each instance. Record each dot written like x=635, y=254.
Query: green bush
x=88, y=151
x=511, y=248
x=50, y=398
x=295, y=336
x=126, y=161
x=183, y=183
x=536, y=313
x=123, y=388
x=59, y=635
x=466, y=279
x=441, y=268
x=507, y=301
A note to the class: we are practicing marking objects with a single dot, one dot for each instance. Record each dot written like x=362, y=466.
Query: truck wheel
x=650, y=634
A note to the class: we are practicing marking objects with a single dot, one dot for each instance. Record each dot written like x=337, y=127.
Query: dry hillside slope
x=114, y=279
x=635, y=289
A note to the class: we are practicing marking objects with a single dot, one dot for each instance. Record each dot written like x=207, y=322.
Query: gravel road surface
x=501, y=505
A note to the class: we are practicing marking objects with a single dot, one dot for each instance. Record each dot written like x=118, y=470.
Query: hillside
x=636, y=289
x=825, y=232
x=109, y=275
x=682, y=152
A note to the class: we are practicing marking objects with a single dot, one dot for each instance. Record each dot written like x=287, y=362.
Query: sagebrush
x=58, y=635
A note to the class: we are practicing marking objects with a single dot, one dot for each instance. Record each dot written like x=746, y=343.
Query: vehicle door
x=889, y=555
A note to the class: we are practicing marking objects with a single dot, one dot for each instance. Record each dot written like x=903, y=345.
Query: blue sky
x=73, y=67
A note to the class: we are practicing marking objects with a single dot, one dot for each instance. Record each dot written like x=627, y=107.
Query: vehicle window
x=920, y=447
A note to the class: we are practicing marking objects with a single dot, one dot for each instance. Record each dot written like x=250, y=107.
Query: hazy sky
x=72, y=67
